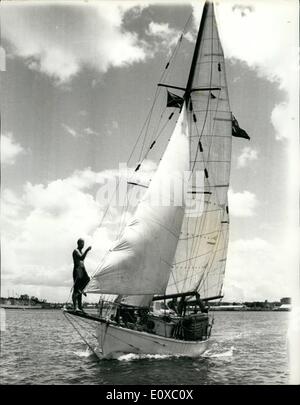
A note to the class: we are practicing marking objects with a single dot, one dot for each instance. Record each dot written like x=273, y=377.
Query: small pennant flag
x=237, y=131
x=174, y=100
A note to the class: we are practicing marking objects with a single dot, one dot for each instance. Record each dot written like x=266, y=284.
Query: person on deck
x=80, y=275
x=173, y=305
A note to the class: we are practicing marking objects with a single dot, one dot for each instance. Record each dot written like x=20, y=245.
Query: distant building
x=285, y=300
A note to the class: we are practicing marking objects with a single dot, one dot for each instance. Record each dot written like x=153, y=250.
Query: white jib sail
x=141, y=260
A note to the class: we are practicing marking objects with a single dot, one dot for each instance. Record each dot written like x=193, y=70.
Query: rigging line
x=186, y=224
x=213, y=126
x=174, y=53
x=222, y=272
x=208, y=270
x=86, y=322
x=200, y=234
x=206, y=274
x=114, y=193
x=125, y=209
x=208, y=102
x=202, y=130
x=174, y=280
x=150, y=113
x=177, y=46
x=148, y=121
x=103, y=335
x=157, y=91
x=118, y=181
x=154, y=131
x=126, y=206
x=200, y=223
x=226, y=91
x=212, y=251
x=189, y=278
x=82, y=337
x=158, y=125
x=79, y=323
x=164, y=227
x=219, y=232
x=160, y=132
x=212, y=286
x=135, y=145
x=185, y=279
x=216, y=109
x=157, y=137
x=187, y=260
x=165, y=73
x=213, y=110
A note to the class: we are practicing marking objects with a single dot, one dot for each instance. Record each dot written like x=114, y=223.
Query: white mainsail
x=140, y=261
x=202, y=249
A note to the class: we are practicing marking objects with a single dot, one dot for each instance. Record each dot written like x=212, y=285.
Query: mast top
x=196, y=52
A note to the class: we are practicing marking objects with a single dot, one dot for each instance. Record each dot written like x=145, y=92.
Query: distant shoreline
x=27, y=308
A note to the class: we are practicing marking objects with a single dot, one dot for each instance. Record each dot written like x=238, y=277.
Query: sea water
x=41, y=347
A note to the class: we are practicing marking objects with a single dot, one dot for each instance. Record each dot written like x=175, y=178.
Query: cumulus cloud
x=41, y=226
x=10, y=149
x=247, y=33
x=255, y=271
x=242, y=204
x=168, y=36
x=59, y=40
x=248, y=154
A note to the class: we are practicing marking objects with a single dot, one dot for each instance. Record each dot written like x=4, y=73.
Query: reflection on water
x=41, y=347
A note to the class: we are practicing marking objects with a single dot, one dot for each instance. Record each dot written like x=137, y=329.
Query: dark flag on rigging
x=237, y=131
x=174, y=100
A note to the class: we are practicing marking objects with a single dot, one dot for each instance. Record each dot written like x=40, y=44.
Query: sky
x=77, y=82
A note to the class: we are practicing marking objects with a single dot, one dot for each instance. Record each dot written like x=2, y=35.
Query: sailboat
x=168, y=263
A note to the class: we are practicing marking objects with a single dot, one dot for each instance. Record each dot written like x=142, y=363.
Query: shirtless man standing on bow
x=80, y=275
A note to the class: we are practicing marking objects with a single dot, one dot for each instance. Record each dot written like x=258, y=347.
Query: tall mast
x=195, y=55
